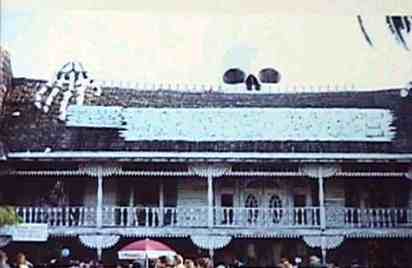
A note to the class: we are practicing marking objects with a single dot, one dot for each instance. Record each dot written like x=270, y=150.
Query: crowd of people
x=176, y=261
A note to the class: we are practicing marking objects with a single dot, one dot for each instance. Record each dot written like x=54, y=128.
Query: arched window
x=275, y=205
x=251, y=201
x=252, y=213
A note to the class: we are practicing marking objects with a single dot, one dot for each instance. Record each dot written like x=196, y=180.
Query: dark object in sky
x=399, y=27
x=251, y=81
x=237, y=76
x=365, y=34
x=234, y=76
x=269, y=75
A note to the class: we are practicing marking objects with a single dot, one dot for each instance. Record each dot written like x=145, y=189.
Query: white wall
x=109, y=192
x=192, y=192
x=334, y=192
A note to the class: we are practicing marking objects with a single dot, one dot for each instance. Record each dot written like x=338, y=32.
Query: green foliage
x=8, y=216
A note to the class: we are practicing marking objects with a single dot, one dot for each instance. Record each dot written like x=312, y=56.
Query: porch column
x=95, y=170
x=319, y=172
x=99, y=203
x=161, y=202
x=210, y=171
x=210, y=200
x=321, y=202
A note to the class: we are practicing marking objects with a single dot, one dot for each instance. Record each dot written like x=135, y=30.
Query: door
x=227, y=206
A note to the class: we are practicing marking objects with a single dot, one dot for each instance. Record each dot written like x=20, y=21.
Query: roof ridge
x=241, y=88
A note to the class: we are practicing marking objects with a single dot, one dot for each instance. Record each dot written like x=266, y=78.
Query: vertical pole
x=161, y=202
x=99, y=205
x=212, y=255
x=321, y=200
x=210, y=200
x=323, y=249
x=99, y=253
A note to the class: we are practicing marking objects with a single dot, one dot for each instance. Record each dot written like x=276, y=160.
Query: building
x=249, y=175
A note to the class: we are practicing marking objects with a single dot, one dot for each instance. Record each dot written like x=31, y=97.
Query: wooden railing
x=228, y=217
x=267, y=217
x=369, y=217
x=58, y=216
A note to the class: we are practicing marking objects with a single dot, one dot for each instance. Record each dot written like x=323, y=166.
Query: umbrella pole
x=146, y=261
x=211, y=254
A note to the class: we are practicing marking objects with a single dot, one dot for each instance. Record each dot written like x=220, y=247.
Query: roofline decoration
x=211, y=156
x=72, y=80
x=238, y=124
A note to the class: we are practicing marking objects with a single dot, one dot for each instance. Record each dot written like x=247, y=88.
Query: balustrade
x=230, y=217
x=369, y=217
x=58, y=216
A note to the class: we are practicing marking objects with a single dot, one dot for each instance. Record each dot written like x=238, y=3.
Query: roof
x=26, y=128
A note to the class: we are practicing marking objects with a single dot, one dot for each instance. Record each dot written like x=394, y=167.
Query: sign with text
x=35, y=232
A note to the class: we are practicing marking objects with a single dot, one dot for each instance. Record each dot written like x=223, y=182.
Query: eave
x=208, y=156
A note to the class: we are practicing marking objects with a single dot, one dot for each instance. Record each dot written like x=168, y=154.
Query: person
x=165, y=262
x=314, y=261
x=3, y=260
x=179, y=261
x=285, y=263
x=189, y=263
x=204, y=263
x=22, y=262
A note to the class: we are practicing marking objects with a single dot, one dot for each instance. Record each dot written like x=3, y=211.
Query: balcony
x=197, y=217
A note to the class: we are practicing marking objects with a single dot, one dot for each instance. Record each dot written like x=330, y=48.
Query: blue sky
x=183, y=47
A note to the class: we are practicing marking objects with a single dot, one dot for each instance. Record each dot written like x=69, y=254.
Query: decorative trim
x=318, y=170
x=215, y=156
x=142, y=173
x=99, y=241
x=206, y=170
x=211, y=241
x=326, y=242
x=107, y=169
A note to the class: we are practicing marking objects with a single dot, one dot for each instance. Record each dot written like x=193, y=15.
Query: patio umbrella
x=145, y=249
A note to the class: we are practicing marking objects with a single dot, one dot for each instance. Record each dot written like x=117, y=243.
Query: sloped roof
x=28, y=129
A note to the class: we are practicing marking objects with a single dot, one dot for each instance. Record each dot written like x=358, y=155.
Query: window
x=252, y=203
x=275, y=205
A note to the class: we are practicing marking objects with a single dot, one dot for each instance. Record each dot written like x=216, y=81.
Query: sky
x=195, y=44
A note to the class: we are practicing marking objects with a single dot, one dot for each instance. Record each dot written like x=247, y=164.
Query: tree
x=8, y=216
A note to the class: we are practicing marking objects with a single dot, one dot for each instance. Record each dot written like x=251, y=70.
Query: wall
x=334, y=192
x=192, y=192
x=109, y=192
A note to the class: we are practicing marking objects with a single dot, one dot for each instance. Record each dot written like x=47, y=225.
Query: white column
x=99, y=205
x=99, y=253
x=322, y=201
x=323, y=250
x=210, y=200
x=161, y=202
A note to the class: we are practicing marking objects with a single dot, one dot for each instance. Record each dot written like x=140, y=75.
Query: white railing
x=155, y=216
x=230, y=217
x=58, y=216
x=267, y=217
x=369, y=217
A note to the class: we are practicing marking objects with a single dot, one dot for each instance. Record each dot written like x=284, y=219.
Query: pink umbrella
x=145, y=249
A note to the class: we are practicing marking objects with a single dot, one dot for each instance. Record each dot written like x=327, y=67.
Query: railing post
x=99, y=204
x=210, y=200
x=322, y=202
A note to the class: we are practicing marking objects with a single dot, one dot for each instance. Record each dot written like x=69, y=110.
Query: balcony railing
x=225, y=217
x=58, y=216
x=369, y=217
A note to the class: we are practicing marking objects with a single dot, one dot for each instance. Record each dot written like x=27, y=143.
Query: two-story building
x=253, y=175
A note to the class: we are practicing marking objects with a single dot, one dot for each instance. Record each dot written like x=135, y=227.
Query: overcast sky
x=196, y=46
